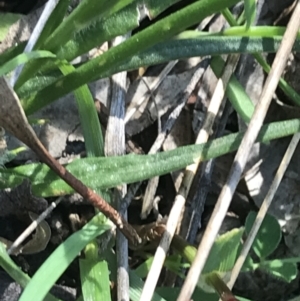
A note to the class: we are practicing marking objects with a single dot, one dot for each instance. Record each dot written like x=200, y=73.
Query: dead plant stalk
x=240, y=160
x=190, y=171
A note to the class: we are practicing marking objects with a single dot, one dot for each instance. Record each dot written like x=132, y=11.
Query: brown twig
x=13, y=119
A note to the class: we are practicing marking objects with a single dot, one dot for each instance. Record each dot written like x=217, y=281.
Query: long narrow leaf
x=60, y=259
x=163, y=52
x=15, y=272
x=158, y=32
x=101, y=30
x=112, y=171
x=85, y=13
x=250, y=11
x=24, y=58
x=117, y=24
x=234, y=91
x=94, y=276
x=53, y=22
x=93, y=273
x=88, y=117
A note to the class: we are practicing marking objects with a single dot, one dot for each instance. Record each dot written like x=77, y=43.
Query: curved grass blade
x=91, y=268
x=24, y=58
x=123, y=21
x=286, y=88
x=158, y=32
x=89, y=120
x=53, y=22
x=60, y=259
x=12, y=52
x=84, y=14
x=15, y=272
x=234, y=91
x=161, y=53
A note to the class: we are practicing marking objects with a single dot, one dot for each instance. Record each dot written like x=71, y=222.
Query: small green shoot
x=118, y=170
x=250, y=12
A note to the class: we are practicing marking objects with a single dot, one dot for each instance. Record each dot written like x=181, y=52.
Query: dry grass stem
x=115, y=146
x=190, y=171
x=264, y=208
x=153, y=86
x=32, y=226
x=156, y=83
x=241, y=157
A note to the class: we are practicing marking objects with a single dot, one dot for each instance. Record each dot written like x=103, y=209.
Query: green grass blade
x=10, y=267
x=84, y=14
x=254, y=31
x=234, y=91
x=80, y=18
x=89, y=120
x=156, y=7
x=101, y=30
x=250, y=12
x=161, y=53
x=53, y=22
x=24, y=58
x=286, y=88
x=117, y=24
x=12, y=52
x=15, y=272
x=93, y=287
x=118, y=170
x=60, y=259
x=187, y=47
x=158, y=32
x=182, y=48
x=91, y=271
